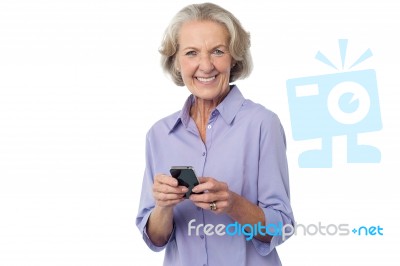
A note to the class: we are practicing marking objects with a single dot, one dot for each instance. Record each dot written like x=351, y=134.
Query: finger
x=203, y=198
x=167, y=197
x=220, y=206
x=210, y=184
x=167, y=189
x=210, y=196
x=166, y=179
x=205, y=184
x=203, y=179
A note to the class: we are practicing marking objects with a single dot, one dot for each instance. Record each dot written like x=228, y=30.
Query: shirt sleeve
x=273, y=183
x=147, y=202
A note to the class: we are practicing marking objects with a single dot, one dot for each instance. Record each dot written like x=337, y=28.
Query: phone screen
x=186, y=177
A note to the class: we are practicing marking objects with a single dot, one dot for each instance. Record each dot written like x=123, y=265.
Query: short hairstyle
x=239, y=39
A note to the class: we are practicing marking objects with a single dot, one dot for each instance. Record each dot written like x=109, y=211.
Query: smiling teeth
x=205, y=79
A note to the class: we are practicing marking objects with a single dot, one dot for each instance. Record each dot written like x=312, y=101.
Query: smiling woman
x=204, y=60
x=238, y=42
x=236, y=146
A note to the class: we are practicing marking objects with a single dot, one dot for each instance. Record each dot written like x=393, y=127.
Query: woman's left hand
x=213, y=192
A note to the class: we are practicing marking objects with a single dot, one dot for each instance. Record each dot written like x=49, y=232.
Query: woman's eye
x=191, y=53
x=218, y=52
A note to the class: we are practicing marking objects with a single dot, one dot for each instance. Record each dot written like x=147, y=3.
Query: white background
x=80, y=84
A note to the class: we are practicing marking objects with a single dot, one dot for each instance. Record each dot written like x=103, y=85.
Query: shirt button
x=204, y=153
x=209, y=126
x=202, y=236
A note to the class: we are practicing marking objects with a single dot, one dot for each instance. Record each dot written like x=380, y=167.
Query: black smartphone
x=186, y=177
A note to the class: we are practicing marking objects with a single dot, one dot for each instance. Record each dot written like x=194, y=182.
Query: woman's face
x=204, y=60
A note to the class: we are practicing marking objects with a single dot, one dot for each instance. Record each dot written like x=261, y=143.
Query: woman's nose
x=206, y=65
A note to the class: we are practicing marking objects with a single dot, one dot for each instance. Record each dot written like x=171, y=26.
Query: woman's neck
x=200, y=112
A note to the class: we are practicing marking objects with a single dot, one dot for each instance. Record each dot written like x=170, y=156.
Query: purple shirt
x=246, y=148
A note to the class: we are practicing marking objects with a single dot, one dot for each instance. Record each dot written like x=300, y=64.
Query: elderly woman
x=236, y=146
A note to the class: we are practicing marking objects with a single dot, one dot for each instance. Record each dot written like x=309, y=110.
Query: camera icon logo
x=325, y=106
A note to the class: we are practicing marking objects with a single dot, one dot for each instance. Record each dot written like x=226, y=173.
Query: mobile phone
x=186, y=177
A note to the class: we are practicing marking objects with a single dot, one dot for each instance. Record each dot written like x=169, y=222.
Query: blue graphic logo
x=344, y=103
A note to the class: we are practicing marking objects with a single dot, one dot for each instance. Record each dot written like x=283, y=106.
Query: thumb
x=203, y=179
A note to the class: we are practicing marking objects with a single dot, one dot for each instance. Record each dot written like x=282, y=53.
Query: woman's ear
x=176, y=66
x=233, y=63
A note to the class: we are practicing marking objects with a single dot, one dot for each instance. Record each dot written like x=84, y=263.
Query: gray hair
x=239, y=39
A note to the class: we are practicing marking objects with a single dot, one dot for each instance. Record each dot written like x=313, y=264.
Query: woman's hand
x=214, y=192
x=166, y=191
x=167, y=194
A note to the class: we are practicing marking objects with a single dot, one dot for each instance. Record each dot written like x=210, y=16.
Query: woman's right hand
x=167, y=192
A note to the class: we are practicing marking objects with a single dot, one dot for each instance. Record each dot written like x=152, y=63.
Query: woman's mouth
x=203, y=79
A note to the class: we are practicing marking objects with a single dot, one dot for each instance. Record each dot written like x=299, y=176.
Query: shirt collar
x=228, y=108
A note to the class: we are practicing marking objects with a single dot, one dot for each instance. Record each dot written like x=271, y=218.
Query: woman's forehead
x=200, y=32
